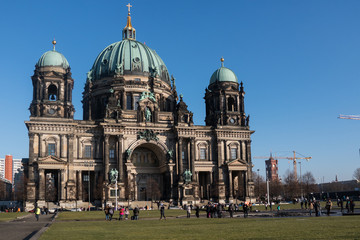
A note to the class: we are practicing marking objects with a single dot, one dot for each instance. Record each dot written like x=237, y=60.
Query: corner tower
x=52, y=87
x=224, y=101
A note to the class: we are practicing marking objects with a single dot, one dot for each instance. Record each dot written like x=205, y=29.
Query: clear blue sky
x=299, y=61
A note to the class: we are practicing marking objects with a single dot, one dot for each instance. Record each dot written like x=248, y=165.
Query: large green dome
x=223, y=74
x=128, y=57
x=53, y=58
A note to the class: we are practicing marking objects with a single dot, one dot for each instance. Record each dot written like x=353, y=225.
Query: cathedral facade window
x=233, y=153
x=87, y=151
x=51, y=149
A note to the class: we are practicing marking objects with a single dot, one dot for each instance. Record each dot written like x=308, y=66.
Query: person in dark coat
x=246, y=210
x=231, y=210
x=136, y=213
x=197, y=211
x=111, y=213
x=352, y=206
x=208, y=210
x=316, y=207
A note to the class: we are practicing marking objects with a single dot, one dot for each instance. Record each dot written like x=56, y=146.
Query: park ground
x=92, y=225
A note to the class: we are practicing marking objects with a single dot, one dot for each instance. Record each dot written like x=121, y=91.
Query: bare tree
x=260, y=185
x=308, y=183
x=291, y=185
x=276, y=189
x=356, y=174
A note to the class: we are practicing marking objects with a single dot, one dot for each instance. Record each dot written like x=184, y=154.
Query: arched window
x=231, y=104
x=52, y=92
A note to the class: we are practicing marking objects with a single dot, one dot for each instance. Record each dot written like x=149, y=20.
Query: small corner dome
x=223, y=74
x=53, y=58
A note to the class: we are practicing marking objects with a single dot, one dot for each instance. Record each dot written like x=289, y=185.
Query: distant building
x=2, y=168
x=5, y=190
x=9, y=167
x=272, y=169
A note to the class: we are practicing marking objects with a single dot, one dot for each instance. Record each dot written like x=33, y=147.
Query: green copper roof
x=53, y=58
x=128, y=57
x=223, y=74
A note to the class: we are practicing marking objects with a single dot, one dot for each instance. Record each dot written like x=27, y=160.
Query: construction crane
x=289, y=158
x=353, y=117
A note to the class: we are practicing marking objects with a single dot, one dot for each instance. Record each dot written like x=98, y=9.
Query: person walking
x=208, y=210
x=246, y=210
x=162, y=211
x=121, y=213
x=136, y=213
x=311, y=207
x=328, y=206
x=106, y=212
x=197, y=211
x=37, y=213
x=231, y=210
x=188, y=211
x=111, y=213
x=126, y=212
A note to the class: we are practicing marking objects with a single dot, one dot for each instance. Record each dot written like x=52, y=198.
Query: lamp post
x=258, y=180
x=301, y=193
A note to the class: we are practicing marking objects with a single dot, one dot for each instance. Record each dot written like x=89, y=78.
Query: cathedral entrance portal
x=51, y=185
x=148, y=161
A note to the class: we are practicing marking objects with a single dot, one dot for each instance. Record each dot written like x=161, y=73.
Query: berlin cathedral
x=136, y=125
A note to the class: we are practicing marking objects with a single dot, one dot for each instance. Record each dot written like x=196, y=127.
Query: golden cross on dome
x=129, y=6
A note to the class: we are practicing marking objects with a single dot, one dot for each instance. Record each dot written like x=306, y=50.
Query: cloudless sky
x=299, y=61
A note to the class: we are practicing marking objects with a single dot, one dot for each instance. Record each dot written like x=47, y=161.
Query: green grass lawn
x=100, y=215
x=237, y=228
x=4, y=216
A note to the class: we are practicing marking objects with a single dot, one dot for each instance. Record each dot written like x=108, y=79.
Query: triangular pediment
x=237, y=165
x=51, y=160
x=237, y=162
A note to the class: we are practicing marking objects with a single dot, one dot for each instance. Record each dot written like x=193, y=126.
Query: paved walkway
x=25, y=228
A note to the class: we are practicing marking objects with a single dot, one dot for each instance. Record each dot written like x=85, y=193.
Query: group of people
x=123, y=213
x=349, y=204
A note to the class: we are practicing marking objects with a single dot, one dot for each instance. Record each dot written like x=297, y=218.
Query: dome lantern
x=129, y=31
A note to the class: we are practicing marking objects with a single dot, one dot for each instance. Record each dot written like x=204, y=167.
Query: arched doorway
x=149, y=165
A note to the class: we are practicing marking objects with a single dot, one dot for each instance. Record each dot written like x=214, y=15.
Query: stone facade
x=134, y=122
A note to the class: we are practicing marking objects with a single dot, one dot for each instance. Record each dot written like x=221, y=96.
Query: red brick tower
x=9, y=167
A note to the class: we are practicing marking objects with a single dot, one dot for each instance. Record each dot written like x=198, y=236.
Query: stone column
x=42, y=184
x=120, y=158
x=79, y=185
x=230, y=184
x=177, y=157
x=31, y=157
x=210, y=157
x=219, y=159
x=41, y=154
x=243, y=150
x=124, y=102
x=181, y=170
x=106, y=158
x=78, y=146
x=70, y=157
x=63, y=146
x=135, y=187
x=192, y=156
